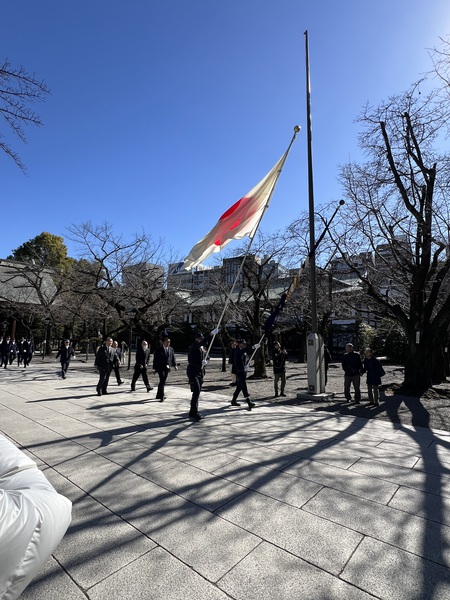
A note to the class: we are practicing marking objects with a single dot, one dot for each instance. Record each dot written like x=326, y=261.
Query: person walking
x=104, y=363
x=233, y=346
x=5, y=348
x=195, y=372
x=65, y=353
x=279, y=368
x=140, y=368
x=374, y=369
x=353, y=367
x=117, y=361
x=28, y=351
x=241, y=360
x=163, y=360
x=20, y=351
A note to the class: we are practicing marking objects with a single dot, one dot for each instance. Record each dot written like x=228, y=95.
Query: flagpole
x=312, y=237
x=228, y=299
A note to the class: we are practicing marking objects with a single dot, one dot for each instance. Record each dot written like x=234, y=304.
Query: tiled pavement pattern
x=277, y=503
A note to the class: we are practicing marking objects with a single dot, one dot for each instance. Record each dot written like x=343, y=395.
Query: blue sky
x=163, y=113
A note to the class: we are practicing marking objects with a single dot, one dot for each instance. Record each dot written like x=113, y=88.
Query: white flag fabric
x=239, y=220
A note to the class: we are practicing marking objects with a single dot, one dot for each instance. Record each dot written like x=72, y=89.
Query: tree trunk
x=260, y=365
x=419, y=366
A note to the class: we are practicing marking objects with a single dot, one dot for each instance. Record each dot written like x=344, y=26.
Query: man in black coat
x=163, y=360
x=241, y=360
x=5, y=348
x=66, y=353
x=104, y=363
x=116, y=362
x=196, y=372
x=353, y=368
x=140, y=368
x=279, y=368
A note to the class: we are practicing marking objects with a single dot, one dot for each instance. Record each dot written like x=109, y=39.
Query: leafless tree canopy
x=18, y=90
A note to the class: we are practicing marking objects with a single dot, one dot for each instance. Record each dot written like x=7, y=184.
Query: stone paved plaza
x=281, y=502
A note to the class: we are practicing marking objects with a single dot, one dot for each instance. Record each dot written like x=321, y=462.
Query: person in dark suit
x=140, y=368
x=65, y=353
x=241, y=360
x=104, y=363
x=4, y=350
x=28, y=351
x=116, y=362
x=163, y=360
x=279, y=368
x=196, y=370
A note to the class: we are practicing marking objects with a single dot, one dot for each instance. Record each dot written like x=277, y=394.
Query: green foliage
x=45, y=250
x=390, y=340
x=366, y=335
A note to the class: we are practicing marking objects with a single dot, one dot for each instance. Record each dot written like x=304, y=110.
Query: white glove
x=204, y=362
x=215, y=331
x=246, y=368
x=256, y=346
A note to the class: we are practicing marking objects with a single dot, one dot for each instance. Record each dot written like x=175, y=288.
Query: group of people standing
x=354, y=367
x=10, y=350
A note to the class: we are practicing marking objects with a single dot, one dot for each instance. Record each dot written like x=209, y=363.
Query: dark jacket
x=352, y=363
x=65, y=353
x=279, y=360
x=196, y=356
x=104, y=358
x=142, y=356
x=163, y=360
x=241, y=360
x=374, y=370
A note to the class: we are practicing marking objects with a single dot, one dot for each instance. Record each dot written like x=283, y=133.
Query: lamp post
x=46, y=341
x=132, y=313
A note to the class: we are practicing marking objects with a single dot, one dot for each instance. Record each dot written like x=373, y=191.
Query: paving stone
x=199, y=538
x=257, y=577
x=435, y=484
x=342, y=479
x=311, y=538
x=155, y=576
x=414, y=534
x=393, y=574
x=276, y=484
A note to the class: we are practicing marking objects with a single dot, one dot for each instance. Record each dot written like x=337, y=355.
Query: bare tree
x=397, y=208
x=18, y=89
x=128, y=277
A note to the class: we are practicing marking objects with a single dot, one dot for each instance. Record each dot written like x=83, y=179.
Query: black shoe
x=250, y=404
x=104, y=393
x=120, y=382
x=276, y=396
x=63, y=376
x=149, y=388
x=234, y=403
x=357, y=402
x=197, y=417
x=284, y=395
x=133, y=389
x=161, y=399
x=99, y=393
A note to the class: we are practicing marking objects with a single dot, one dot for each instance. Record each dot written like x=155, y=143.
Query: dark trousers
x=241, y=385
x=117, y=373
x=103, y=380
x=138, y=371
x=195, y=383
x=64, y=367
x=162, y=382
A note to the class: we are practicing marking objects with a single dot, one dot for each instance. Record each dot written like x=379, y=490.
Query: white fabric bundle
x=33, y=520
